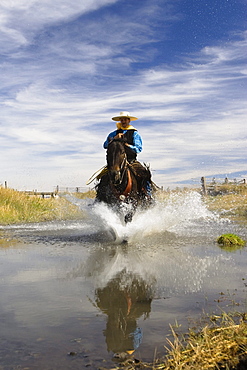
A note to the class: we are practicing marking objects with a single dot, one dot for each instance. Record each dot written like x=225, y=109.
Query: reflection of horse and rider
x=132, y=141
x=123, y=303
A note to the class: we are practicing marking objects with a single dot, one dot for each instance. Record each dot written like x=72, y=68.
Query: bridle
x=123, y=168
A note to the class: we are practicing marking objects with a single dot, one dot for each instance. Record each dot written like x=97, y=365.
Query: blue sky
x=69, y=66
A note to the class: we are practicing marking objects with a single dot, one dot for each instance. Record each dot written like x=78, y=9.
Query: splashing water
x=175, y=214
x=158, y=262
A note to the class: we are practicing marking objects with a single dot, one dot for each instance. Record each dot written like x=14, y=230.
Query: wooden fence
x=215, y=187
x=42, y=194
x=58, y=190
x=71, y=189
x=52, y=194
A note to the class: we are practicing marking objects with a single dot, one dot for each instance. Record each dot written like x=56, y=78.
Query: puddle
x=72, y=294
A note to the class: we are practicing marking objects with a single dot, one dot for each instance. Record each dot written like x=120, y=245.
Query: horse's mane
x=119, y=140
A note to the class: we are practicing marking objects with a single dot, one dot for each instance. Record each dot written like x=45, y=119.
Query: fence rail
x=42, y=194
x=53, y=194
x=72, y=189
x=58, y=189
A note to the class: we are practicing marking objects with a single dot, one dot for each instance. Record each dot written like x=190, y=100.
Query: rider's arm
x=109, y=138
x=137, y=146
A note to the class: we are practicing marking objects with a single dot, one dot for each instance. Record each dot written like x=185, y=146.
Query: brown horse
x=124, y=183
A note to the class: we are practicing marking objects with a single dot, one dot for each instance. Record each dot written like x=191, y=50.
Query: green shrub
x=230, y=240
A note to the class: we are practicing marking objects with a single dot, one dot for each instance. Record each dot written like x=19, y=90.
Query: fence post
x=204, y=190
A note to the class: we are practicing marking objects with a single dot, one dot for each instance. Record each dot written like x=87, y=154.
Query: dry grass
x=87, y=194
x=233, y=205
x=16, y=207
x=214, y=347
x=231, y=188
x=220, y=344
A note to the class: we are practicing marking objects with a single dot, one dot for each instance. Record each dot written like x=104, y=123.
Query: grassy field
x=232, y=205
x=87, y=194
x=17, y=207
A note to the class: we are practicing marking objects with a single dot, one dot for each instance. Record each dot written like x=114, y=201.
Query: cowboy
x=132, y=141
x=125, y=131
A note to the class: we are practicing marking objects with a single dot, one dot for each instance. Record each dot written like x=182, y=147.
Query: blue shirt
x=137, y=141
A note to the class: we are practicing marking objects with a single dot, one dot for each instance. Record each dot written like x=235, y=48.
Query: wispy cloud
x=20, y=19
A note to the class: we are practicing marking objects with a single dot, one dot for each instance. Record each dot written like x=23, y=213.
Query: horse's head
x=116, y=160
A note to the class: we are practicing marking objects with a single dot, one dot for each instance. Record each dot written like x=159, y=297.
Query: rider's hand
x=119, y=136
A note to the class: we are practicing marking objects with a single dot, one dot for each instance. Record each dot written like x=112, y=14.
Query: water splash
x=178, y=213
x=175, y=214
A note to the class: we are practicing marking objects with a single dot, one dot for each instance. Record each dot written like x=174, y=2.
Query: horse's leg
x=133, y=201
x=128, y=217
x=102, y=187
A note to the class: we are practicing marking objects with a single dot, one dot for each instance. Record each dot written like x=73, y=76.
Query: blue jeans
x=149, y=188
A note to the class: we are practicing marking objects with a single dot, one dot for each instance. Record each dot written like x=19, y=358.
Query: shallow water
x=72, y=294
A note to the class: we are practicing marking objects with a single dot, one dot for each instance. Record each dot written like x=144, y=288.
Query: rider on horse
x=133, y=140
x=133, y=146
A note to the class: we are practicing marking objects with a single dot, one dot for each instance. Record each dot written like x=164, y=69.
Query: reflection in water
x=231, y=248
x=8, y=242
x=126, y=279
x=124, y=300
x=124, y=289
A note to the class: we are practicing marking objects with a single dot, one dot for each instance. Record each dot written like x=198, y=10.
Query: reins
x=123, y=169
x=129, y=184
x=128, y=187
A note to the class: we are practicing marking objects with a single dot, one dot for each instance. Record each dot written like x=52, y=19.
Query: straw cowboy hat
x=124, y=115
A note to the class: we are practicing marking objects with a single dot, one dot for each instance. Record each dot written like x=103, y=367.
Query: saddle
x=140, y=171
